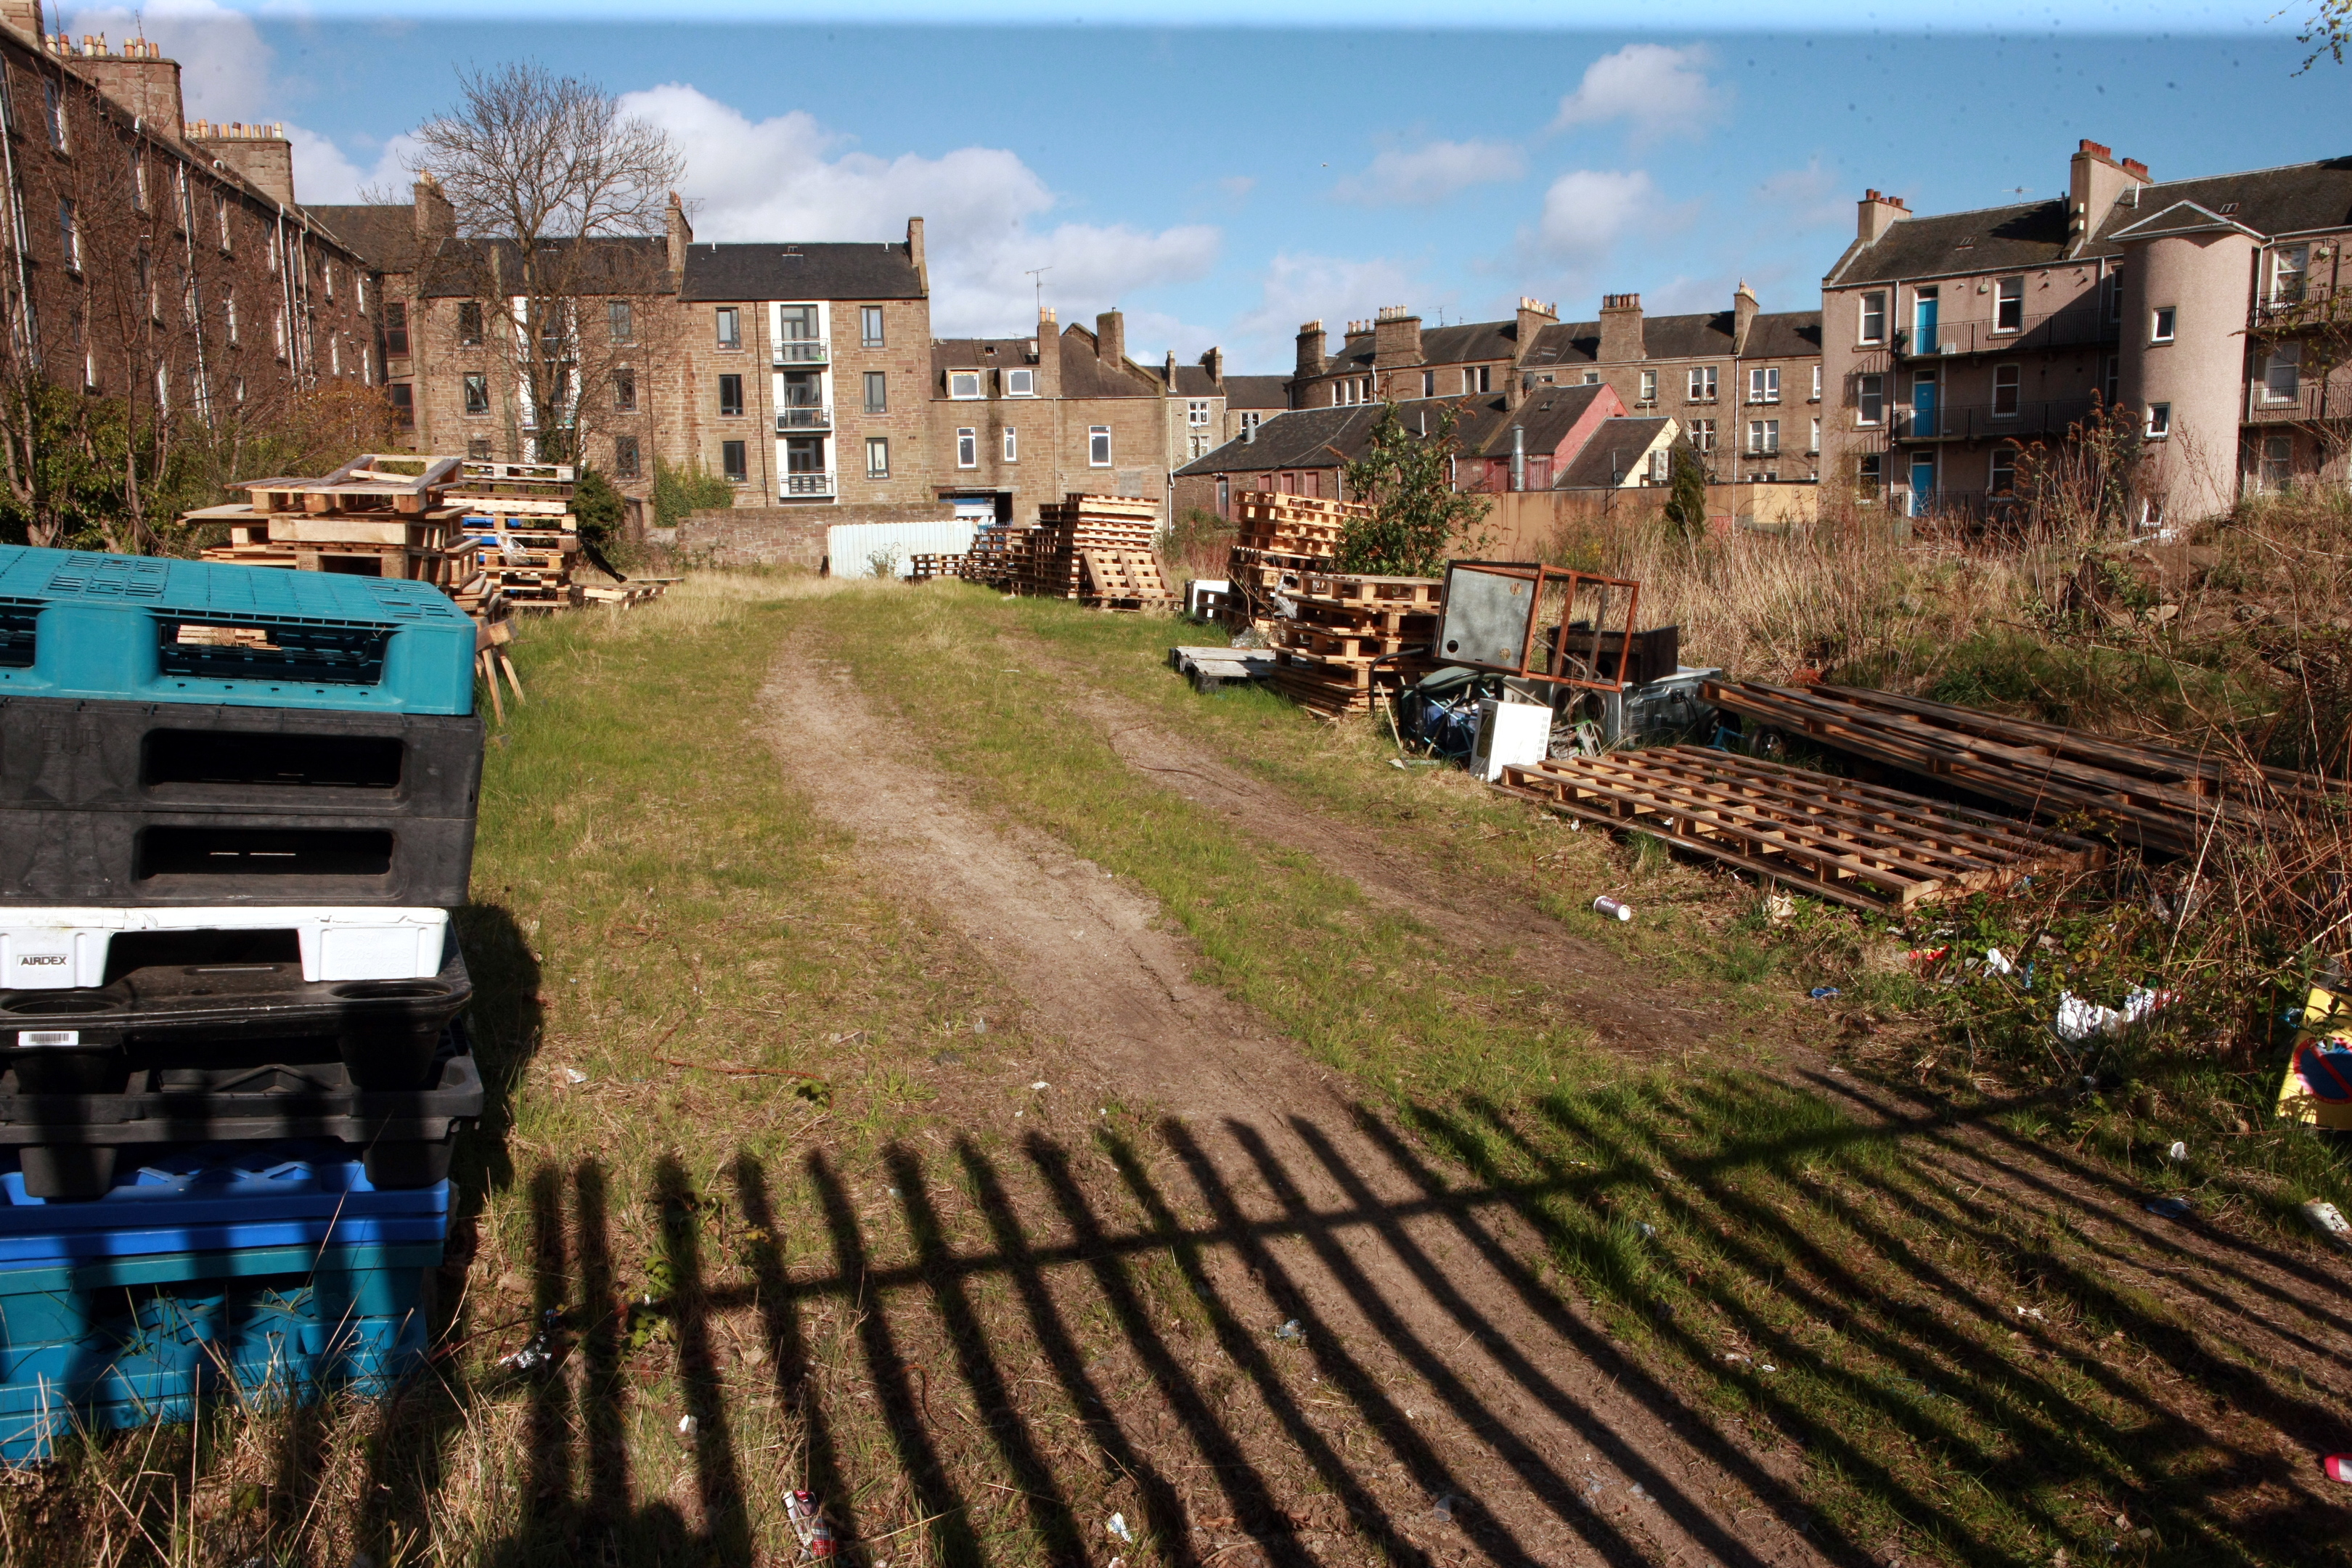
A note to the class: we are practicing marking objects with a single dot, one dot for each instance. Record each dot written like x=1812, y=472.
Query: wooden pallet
x=2155, y=798
x=1854, y=844
x=1422, y=593
x=1208, y=669
x=1125, y=576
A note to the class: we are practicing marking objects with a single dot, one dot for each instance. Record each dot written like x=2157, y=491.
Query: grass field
x=755, y=1169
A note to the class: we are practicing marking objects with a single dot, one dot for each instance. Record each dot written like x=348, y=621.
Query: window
x=964, y=384
x=470, y=323
x=1012, y=445
x=2287, y=265
x=625, y=461
x=1098, y=446
x=327, y=271
x=1702, y=385
x=1252, y=418
x=730, y=396
x=968, y=447
x=69, y=233
x=478, y=392
x=869, y=326
x=1816, y=396
x=878, y=456
x=147, y=287
x=1196, y=412
x=1649, y=386
x=54, y=97
x=477, y=448
x=1021, y=383
x=2005, y=385
x=277, y=331
x=2277, y=462
x=2009, y=305
x=878, y=392
x=2004, y=473
x=139, y=178
x=1658, y=461
x=1701, y=435
x=220, y=221
x=2112, y=392
x=1198, y=446
x=804, y=470
x=395, y=330
x=1869, y=399
x=1813, y=443
x=1763, y=438
x=731, y=460
x=620, y=322
x=334, y=354
x=1592, y=378
x=277, y=246
x=2159, y=329
x=2116, y=295
x=624, y=392
x=1868, y=475
x=2159, y=421
x=1872, y=327
x=730, y=327
x=228, y=311
x=1764, y=385
x=1475, y=378
x=403, y=398
x=163, y=390
x=2283, y=373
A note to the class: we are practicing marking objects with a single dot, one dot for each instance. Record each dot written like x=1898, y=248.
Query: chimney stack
x=1396, y=339
x=259, y=153
x=1213, y=362
x=1049, y=353
x=915, y=251
x=1743, y=316
x=1534, y=316
x=2095, y=181
x=436, y=218
x=25, y=15
x=143, y=83
x=1875, y=214
x=1620, y=330
x=1110, y=338
x=1311, y=350
x=680, y=235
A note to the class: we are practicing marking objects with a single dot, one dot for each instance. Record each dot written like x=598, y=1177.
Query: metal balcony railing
x=2075, y=328
x=2310, y=302
x=808, y=484
x=803, y=351
x=2312, y=400
x=1991, y=422
x=804, y=416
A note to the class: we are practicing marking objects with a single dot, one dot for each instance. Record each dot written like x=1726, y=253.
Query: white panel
x=367, y=953
x=851, y=547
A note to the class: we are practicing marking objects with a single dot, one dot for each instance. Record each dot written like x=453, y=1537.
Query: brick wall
x=783, y=535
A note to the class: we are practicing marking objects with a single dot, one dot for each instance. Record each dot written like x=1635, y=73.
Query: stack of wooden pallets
x=1855, y=844
x=1000, y=556
x=922, y=566
x=379, y=515
x=1342, y=638
x=1277, y=539
x=1108, y=526
x=2152, y=797
x=519, y=535
x=1124, y=580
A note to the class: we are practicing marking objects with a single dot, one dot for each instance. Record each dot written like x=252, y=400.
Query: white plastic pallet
x=55, y=948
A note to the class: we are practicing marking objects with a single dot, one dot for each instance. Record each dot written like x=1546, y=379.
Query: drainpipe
x=1519, y=456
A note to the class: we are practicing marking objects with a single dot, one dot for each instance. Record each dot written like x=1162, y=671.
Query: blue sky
x=1224, y=179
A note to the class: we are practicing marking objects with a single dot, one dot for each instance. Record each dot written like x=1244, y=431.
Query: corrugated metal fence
x=873, y=549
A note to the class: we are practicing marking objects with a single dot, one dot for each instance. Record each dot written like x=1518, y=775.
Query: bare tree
x=561, y=200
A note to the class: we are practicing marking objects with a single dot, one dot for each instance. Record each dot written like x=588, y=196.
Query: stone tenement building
x=159, y=261
x=2216, y=310
x=1744, y=387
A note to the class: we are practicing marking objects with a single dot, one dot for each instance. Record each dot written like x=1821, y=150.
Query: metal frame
x=1543, y=577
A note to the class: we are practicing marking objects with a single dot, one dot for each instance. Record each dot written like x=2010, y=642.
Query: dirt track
x=1424, y=1310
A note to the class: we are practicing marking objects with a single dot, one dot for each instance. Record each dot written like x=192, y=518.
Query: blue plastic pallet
x=246, y=1346
x=62, y=1302
x=78, y=624
x=211, y=1197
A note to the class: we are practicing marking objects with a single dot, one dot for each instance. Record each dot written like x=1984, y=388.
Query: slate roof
x=1299, y=439
x=1611, y=454
x=1774, y=334
x=977, y=353
x=1084, y=374
x=384, y=237
x=879, y=270
x=1548, y=415
x=1257, y=391
x=1192, y=381
x=2299, y=198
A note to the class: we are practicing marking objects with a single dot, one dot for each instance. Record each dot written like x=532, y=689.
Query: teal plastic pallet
x=78, y=624
x=58, y=1303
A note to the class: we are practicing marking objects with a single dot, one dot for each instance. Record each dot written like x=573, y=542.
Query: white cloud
x=1587, y=211
x=1237, y=187
x=1431, y=173
x=325, y=175
x=224, y=67
x=1300, y=288
x=1661, y=92
x=984, y=209
x=1810, y=197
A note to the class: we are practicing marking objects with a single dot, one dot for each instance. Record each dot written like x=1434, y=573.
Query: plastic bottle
x=1611, y=908
x=809, y=1523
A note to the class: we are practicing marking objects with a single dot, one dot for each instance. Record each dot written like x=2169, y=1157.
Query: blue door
x=1923, y=481
x=1923, y=322
x=1923, y=403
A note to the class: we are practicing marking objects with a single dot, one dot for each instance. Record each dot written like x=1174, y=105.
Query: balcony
x=1978, y=421
x=2313, y=401
x=807, y=487
x=798, y=418
x=801, y=351
x=2081, y=327
x=2311, y=302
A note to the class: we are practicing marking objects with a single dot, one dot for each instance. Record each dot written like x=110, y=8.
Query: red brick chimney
x=680, y=235
x=1875, y=214
x=2095, y=183
x=1110, y=338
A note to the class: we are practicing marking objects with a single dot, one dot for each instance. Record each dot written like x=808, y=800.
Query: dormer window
x=964, y=384
x=1022, y=382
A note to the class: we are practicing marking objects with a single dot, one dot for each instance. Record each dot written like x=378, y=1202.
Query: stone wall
x=783, y=535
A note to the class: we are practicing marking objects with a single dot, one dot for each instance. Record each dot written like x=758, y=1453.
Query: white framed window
x=2116, y=294
x=1592, y=378
x=70, y=232
x=2276, y=465
x=2000, y=478
x=1429, y=384
x=1649, y=386
x=2007, y=380
x=1098, y=446
x=1251, y=419
x=1869, y=399
x=964, y=385
x=1196, y=412
x=1869, y=474
x=1021, y=383
x=1701, y=435
x=1816, y=396
x=869, y=326
x=1012, y=445
x=1763, y=438
x=968, y=447
x=228, y=311
x=2159, y=421
x=1870, y=328
x=2283, y=373
x=2009, y=305
x=2288, y=265
x=1813, y=443
x=729, y=326
x=139, y=177
x=54, y=100
x=1658, y=467
x=163, y=389
x=2112, y=383
x=1199, y=447
x=878, y=456
x=220, y=221
x=277, y=331
x=1764, y=385
x=2159, y=325
x=1475, y=378
x=1703, y=384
